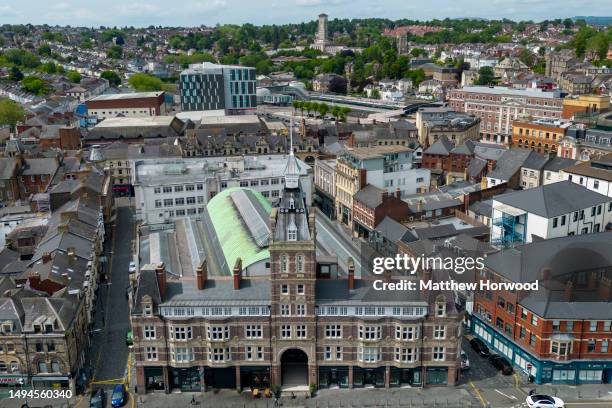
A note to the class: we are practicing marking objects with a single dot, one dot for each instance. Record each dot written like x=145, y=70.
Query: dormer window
x=7, y=328
x=292, y=233
x=147, y=309
x=48, y=327
x=291, y=204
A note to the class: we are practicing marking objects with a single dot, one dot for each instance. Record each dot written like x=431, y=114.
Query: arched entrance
x=294, y=368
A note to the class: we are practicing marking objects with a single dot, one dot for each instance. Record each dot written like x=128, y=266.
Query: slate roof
x=8, y=168
x=441, y=147
x=535, y=161
x=560, y=163
x=34, y=167
x=509, y=163
x=369, y=195
x=552, y=200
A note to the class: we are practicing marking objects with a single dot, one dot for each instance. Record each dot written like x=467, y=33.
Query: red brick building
x=36, y=174
x=372, y=204
x=497, y=107
x=560, y=332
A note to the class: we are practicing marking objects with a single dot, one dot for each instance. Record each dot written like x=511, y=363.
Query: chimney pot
x=202, y=275
x=237, y=274
x=160, y=272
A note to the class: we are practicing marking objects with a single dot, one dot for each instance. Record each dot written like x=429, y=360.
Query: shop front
x=154, y=379
x=255, y=377
x=13, y=381
x=436, y=375
x=185, y=379
x=404, y=376
x=368, y=377
x=334, y=377
x=55, y=383
x=218, y=378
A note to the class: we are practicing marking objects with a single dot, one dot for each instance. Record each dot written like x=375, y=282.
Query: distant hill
x=596, y=20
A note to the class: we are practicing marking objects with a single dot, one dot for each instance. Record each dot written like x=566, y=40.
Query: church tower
x=293, y=275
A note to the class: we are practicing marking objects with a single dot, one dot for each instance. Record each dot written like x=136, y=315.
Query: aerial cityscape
x=306, y=204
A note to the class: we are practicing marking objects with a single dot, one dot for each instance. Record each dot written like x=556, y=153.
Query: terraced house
x=248, y=302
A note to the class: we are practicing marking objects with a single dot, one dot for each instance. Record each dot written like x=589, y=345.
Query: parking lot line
x=478, y=394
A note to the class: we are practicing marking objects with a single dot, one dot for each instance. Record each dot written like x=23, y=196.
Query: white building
x=596, y=175
x=174, y=188
x=550, y=211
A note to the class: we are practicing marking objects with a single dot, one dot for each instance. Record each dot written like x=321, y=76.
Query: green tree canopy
x=34, y=85
x=145, y=83
x=114, y=52
x=11, y=113
x=485, y=76
x=112, y=77
x=74, y=77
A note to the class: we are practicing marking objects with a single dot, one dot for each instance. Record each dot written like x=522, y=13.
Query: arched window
x=520, y=143
x=284, y=264
x=55, y=366
x=42, y=367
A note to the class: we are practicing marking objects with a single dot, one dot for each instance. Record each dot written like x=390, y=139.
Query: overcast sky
x=210, y=12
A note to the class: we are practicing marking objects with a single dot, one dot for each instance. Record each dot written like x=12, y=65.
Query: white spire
x=291, y=135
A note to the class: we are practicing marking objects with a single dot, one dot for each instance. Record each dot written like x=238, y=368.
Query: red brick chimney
x=491, y=165
x=237, y=273
x=202, y=275
x=398, y=193
x=363, y=178
x=351, y=273
x=568, y=293
x=160, y=272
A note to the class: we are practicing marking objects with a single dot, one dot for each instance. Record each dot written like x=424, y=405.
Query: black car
x=501, y=364
x=97, y=399
x=479, y=347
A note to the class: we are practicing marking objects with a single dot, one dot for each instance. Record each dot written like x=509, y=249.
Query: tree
x=15, y=74
x=485, y=76
x=145, y=83
x=323, y=108
x=34, y=85
x=112, y=77
x=568, y=23
x=11, y=113
x=74, y=77
x=526, y=57
x=114, y=52
x=375, y=94
x=336, y=112
x=296, y=104
x=44, y=50
x=344, y=111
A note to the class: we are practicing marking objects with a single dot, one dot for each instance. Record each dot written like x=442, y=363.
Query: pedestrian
x=193, y=401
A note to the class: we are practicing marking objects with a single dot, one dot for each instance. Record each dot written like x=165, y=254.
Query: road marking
x=478, y=394
x=517, y=381
x=608, y=403
x=512, y=397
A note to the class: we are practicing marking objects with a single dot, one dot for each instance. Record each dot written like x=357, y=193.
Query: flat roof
x=136, y=122
x=363, y=153
x=133, y=95
x=512, y=91
x=229, y=119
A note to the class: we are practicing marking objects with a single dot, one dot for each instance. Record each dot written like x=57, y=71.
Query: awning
x=509, y=210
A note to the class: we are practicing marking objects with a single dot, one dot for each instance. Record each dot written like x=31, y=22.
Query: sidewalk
x=574, y=393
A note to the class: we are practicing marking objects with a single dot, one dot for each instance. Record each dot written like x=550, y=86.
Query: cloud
x=314, y=3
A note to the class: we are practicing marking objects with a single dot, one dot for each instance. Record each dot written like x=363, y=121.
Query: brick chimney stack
x=351, y=273
x=237, y=274
x=398, y=193
x=202, y=275
x=160, y=272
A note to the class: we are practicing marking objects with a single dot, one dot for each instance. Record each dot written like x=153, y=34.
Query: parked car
x=118, y=396
x=479, y=347
x=501, y=364
x=544, y=401
x=97, y=398
x=132, y=267
x=465, y=361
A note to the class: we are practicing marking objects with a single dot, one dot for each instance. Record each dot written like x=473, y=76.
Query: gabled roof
x=441, y=147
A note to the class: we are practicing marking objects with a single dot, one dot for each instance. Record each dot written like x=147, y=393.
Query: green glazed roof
x=234, y=236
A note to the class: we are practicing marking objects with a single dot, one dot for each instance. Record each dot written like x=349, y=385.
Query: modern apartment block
x=274, y=315
x=208, y=86
x=498, y=107
x=559, y=333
